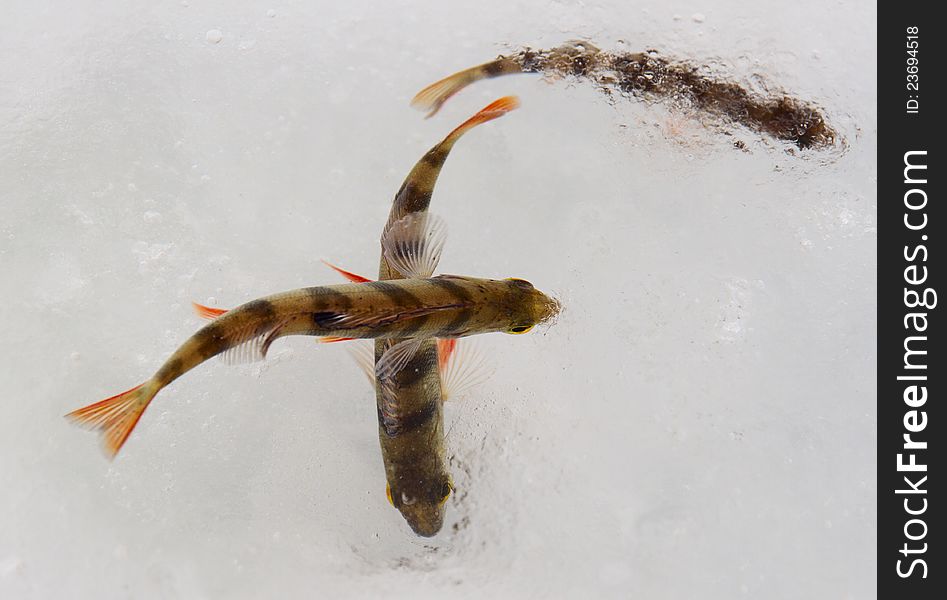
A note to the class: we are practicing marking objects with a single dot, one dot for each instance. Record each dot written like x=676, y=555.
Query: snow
x=698, y=423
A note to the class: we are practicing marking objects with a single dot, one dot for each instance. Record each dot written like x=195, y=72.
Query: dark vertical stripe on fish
x=456, y=326
x=412, y=326
x=398, y=295
x=261, y=310
x=322, y=298
x=434, y=159
x=402, y=424
x=455, y=290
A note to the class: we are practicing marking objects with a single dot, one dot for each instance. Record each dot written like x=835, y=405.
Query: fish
x=684, y=85
x=410, y=415
x=413, y=310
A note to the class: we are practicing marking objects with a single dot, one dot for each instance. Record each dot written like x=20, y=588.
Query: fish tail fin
x=494, y=110
x=116, y=416
x=432, y=97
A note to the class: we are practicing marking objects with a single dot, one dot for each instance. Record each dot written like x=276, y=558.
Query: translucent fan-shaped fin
x=363, y=353
x=395, y=359
x=463, y=365
x=413, y=244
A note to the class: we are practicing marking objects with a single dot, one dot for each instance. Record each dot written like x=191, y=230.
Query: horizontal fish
x=446, y=306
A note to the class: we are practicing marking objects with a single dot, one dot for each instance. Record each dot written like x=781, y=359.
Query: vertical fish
x=410, y=417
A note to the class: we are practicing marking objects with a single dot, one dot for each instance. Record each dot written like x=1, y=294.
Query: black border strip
x=910, y=271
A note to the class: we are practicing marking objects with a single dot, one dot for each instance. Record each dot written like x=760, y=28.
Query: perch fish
x=413, y=310
x=410, y=415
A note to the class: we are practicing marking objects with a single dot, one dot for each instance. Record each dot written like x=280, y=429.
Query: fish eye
x=445, y=492
x=407, y=500
x=388, y=493
x=520, y=329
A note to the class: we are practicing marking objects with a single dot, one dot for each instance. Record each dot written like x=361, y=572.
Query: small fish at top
x=684, y=85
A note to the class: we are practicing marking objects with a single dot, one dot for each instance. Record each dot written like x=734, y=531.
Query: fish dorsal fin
x=462, y=365
x=395, y=359
x=413, y=244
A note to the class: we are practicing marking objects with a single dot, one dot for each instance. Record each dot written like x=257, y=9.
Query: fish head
x=422, y=502
x=527, y=306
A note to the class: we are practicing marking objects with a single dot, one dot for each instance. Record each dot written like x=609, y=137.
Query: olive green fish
x=413, y=309
x=410, y=416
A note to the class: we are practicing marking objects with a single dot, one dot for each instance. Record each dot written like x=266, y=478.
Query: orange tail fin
x=494, y=110
x=116, y=416
x=432, y=97
x=207, y=312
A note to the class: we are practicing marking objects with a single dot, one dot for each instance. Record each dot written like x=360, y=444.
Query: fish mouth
x=425, y=531
x=551, y=308
x=426, y=523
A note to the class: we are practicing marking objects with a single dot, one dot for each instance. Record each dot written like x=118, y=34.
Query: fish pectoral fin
x=255, y=345
x=462, y=366
x=347, y=274
x=395, y=359
x=363, y=353
x=445, y=348
x=413, y=244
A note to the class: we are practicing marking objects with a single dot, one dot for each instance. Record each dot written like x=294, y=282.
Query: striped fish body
x=410, y=415
x=411, y=435
x=444, y=306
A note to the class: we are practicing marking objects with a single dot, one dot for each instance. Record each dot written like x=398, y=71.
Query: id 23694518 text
x=913, y=104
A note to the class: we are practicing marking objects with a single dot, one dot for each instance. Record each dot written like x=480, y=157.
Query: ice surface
x=699, y=422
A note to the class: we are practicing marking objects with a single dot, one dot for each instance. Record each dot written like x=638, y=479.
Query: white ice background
x=699, y=423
